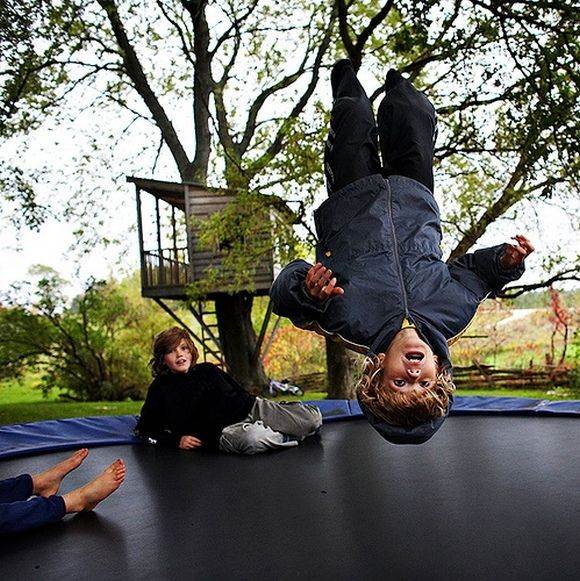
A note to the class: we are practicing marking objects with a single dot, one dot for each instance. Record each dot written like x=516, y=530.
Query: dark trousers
x=406, y=132
x=19, y=514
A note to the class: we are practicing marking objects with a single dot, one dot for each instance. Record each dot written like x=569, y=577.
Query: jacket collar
x=400, y=435
x=428, y=333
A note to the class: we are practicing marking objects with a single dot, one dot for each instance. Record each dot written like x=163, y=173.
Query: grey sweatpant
x=271, y=425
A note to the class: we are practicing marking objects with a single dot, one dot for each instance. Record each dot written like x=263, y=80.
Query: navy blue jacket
x=381, y=238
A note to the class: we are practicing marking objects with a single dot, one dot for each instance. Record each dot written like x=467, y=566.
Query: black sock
x=393, y=79
x=337, y=74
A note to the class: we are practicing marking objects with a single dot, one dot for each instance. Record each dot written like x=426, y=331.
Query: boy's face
x=409, y=363
x=180, y=358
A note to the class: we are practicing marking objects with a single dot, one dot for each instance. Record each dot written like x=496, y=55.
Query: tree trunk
x=239, y=340
x=340, y=371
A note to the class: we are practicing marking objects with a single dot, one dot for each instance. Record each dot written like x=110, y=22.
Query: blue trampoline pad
x=54, y=435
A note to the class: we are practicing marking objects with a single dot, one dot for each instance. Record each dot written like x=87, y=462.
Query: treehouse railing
x=166, y=268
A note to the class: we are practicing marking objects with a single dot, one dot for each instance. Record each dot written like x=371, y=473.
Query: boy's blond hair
x=406, y=409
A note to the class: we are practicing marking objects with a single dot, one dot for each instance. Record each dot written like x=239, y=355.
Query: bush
x=96, y=348
x=295, y=352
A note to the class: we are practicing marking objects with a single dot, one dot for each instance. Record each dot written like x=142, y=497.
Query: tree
x=102, y=42
x=505, y=82
x=503, y=77
x=96, y=348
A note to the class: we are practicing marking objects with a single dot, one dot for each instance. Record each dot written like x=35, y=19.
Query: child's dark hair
x=167, y=341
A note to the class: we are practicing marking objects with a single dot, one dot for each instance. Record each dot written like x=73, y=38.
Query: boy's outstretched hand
x=319, y=284
x=515, y=254
x=189, y=442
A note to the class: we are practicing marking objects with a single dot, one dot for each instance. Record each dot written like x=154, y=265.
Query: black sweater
x=198, y=403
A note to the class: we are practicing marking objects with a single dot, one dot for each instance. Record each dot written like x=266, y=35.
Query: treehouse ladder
x=209, y=331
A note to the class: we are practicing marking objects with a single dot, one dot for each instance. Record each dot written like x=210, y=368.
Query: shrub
x=95, y=348
x=295, y=352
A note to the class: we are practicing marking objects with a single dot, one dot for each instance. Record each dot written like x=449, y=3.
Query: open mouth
x=414, y=356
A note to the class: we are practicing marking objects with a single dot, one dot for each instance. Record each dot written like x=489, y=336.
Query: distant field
x=23, y=391
x=21, y=402
x=513, y=338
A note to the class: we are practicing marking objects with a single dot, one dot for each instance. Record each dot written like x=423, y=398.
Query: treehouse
x=169, y=220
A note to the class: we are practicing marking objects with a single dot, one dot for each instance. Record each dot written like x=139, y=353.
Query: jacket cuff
x=319, y=306
x=506, y=275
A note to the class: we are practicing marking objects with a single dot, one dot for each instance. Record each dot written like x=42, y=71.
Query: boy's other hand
x=515, y=254
x=189, y=442
x=319, y=283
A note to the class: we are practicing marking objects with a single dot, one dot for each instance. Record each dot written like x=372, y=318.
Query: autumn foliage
x=295, y=352
x=560, y=318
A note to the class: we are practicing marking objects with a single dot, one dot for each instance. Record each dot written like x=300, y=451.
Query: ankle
x=39, y=484
x=73, y=501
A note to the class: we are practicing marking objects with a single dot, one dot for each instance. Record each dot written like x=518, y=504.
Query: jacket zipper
x=396, y=250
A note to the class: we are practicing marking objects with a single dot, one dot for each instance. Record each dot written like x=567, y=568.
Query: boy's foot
x=48, y=482
x=88, y=496
x=337, y=73
x=394, y=77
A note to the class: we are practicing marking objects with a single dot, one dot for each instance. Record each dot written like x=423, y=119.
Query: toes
x=118, y=469
x=79, y=455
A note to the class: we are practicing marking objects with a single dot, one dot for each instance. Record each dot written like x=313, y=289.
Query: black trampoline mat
x=487, y=498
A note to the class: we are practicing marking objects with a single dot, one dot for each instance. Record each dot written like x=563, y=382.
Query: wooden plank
x=190, y=242
x=140, y=234
x=196, y=199
x=200, y=210
x=215, y=260
x=205, y=212
x=172, y=293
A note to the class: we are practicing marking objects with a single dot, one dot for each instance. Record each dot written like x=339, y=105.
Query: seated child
x=379, y=285
x=19, y=512
x=191, y=406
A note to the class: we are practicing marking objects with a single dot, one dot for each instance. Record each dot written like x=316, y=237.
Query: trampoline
x=489, y=497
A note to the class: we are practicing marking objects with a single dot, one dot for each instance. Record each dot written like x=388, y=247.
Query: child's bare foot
x=48, y=482
x=88, y=496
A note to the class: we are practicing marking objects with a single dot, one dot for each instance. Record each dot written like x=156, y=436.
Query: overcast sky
x=59, y=147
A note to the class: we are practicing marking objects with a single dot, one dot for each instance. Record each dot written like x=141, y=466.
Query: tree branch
x=235, y=26
x=343, y=27
x=516, y=291
x=203, y=85
x=137, y=75
x=277, y=144
x=375, y=21
x=184, y=45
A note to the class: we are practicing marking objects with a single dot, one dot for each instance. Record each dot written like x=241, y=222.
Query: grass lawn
x=23, y=391
x=17, y=413
x=21, y=402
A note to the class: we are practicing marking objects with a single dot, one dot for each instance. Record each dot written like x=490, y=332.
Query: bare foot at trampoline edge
x=88, y=496
x=48, y=482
